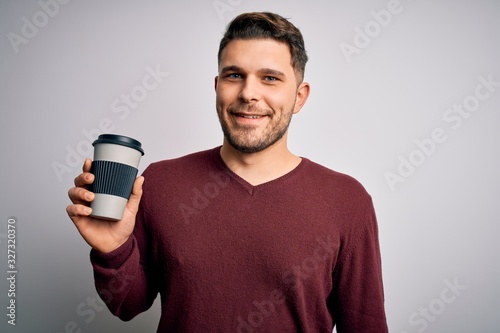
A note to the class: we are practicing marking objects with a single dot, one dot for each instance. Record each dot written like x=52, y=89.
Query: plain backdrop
x=405, y=98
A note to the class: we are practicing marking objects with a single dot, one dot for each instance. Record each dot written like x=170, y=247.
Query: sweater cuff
x=115, y=258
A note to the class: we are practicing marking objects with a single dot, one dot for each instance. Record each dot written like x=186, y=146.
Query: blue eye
x=270, y=78
x=234, y=76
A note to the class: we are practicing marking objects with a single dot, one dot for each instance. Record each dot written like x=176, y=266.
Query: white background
x=439, y=222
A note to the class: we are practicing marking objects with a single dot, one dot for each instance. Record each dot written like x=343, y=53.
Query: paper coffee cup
x=115, y=167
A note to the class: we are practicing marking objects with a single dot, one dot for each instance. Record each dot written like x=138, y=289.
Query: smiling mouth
x=249, y=116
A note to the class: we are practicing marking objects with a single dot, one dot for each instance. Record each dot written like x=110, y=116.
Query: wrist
x=112, y=259
x=109, y=247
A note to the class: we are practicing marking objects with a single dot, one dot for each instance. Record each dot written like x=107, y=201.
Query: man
x=246, y=237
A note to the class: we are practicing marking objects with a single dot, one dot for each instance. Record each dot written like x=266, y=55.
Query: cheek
x=223, y=96
x=219, y=101
x=284, y=101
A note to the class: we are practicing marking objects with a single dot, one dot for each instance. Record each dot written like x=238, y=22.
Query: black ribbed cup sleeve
x=113, y=178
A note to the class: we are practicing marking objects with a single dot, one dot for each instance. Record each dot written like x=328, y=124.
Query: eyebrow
x=264, y=71
x=273, y=72
x=231, y=68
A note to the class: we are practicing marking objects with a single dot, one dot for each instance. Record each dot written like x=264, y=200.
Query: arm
x=358, y=297
x=124, y=277
x=120, y=275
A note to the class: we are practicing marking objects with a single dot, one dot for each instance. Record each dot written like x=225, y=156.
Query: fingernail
x=89, y=196
x=88, y=210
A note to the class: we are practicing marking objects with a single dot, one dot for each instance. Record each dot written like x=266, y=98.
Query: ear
x=216, y=79
x=302, y=94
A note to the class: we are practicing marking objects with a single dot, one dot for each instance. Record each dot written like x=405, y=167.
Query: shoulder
x=344, y=198
x=180, y=165
x=334, y=182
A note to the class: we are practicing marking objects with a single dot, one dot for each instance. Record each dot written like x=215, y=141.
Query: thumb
x=135, y=196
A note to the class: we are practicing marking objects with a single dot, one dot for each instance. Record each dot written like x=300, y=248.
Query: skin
x=103, y=236
x=256, y=79
x=257, y=92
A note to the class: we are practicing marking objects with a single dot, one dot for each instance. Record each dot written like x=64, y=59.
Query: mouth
x=249, y=116
x=247, y=119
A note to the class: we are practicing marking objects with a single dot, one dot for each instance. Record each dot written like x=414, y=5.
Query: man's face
x=256, y=93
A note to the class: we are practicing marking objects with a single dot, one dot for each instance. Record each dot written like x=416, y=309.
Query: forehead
x=256, y=54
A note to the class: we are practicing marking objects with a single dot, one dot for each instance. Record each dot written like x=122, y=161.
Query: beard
x=245, y=138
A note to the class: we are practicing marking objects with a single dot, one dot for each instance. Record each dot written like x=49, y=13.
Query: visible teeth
x=251, y=117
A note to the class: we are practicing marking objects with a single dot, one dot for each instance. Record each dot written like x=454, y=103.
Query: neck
x=263, y=166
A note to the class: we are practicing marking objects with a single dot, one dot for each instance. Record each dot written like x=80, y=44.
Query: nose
x=250, y=89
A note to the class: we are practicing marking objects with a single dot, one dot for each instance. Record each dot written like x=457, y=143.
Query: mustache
x=249, y=109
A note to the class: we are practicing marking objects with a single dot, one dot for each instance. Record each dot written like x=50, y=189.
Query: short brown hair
x=268, y=25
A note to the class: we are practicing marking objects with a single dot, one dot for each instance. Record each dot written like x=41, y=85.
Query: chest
x=214, y=236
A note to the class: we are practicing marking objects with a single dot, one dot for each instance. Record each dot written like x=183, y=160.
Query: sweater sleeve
x=358, y=297
x=124, y=278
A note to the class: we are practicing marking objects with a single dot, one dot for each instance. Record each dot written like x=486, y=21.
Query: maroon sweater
x=297, y=254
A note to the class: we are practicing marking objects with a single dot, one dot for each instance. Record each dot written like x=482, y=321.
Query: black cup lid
x=119, y=140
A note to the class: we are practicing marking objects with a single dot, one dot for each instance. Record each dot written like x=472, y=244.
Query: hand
x=101, y=235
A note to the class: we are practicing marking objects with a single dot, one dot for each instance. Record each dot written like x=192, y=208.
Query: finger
x=79, y=195
x=78, y=210
x=87, y=164
x=135, y=196
x=84, y=179
x=137, y=189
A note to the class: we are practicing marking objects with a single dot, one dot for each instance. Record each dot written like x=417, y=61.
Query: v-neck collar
x=253, y=189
